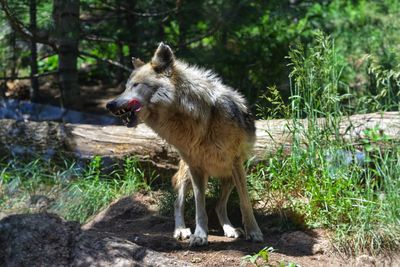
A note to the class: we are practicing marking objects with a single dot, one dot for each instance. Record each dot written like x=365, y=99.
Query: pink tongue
x=135, y=105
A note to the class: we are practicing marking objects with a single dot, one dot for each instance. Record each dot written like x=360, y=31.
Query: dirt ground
x=136, y=219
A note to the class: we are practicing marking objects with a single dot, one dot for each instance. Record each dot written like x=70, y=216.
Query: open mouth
x=128, y=113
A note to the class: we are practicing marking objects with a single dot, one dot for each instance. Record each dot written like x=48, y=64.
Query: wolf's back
x=206, y=88
x=236, y=110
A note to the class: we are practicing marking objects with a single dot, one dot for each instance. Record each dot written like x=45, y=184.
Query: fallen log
x=115, y=142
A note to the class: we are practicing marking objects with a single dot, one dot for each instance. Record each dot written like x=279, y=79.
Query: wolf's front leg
x=181, y=181
x=199, y=182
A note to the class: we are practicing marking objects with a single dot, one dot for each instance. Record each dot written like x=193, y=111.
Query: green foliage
x=351, y=189
x=261, y=259
x=246, y=42
x=134, y=177
x=271, y=105
x=262, y=254
x=48, y=64
x=385, y=87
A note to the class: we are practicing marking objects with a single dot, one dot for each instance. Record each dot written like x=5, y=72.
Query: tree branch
x=202, y=36
x=19, y=27
x=92, y=37
x=109, y=61
x=149, y=14
x=140, y=14
x=38, y=75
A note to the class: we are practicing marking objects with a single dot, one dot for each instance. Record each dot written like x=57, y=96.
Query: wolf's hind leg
x=199, y=182
x=221, y=210
x=253, y=232
x=181, y=181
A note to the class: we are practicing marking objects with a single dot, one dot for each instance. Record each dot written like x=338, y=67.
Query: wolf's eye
x=135, y=84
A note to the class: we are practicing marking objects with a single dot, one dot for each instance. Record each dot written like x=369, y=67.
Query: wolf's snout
x=111, y=106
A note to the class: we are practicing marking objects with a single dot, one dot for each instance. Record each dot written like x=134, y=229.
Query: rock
x=39, y=202
x=3, y=215
x=45, y=239
x=305, y=243
x=127, y=207
x=365, y=261
x=36, y=240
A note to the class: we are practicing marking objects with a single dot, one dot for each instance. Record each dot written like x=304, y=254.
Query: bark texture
x=33, y=63
x=66, y=22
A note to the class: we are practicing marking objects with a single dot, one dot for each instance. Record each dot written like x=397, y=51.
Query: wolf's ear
x=137, y=63
x=163, y=58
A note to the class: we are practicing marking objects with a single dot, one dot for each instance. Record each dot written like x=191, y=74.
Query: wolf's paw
x=182, y=233
x=232, y=232
x=255, y=236
x=197, y=240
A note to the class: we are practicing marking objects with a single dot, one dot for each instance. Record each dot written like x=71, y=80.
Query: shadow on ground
x=130, y=232
x=137, y=220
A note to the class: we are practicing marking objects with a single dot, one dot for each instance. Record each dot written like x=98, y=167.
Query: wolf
x=209, y=124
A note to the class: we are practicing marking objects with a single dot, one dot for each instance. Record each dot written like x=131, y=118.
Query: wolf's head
x=149, y=84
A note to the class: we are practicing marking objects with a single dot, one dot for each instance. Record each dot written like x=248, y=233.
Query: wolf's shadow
x=137, y=220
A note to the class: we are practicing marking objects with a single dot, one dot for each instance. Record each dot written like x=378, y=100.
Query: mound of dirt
x=46, y=240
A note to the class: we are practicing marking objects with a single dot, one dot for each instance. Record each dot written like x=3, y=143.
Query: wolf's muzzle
x=112, y=106
x=126, y=112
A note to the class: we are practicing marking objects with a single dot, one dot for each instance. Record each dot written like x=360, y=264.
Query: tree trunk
x=120, y=71
x=130, y=22
x=3, y=87
x=66, y=20
x=13, y=44
x=183, y=25
x=34, y=68
x=85, y=141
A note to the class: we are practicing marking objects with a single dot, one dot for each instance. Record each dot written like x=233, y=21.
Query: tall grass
x=351, y=189
x=94, y=189
x=76, y=193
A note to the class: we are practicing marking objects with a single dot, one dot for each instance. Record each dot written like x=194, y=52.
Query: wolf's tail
x=181, y=176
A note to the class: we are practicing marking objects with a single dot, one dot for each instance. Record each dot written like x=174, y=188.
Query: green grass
x=360, y=204
x=94, y=190
x=77, y=192
x=322, y=179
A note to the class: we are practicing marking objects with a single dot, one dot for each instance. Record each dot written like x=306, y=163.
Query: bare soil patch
x=136, y=219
